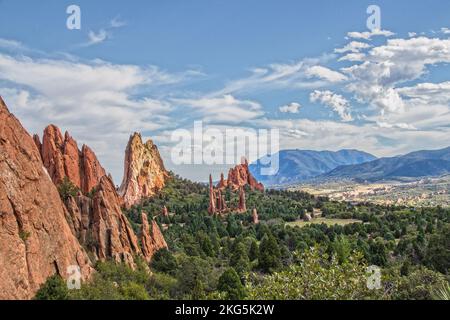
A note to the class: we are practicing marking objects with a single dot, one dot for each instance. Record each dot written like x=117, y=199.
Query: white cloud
x=353, y=47
x=96, y=38
x=290, y=108
x=354, y=57
x=10, y=44
x=445, y=30
x=438, y=93
x=117, y=23
x=282, y=76
x=384, y=140
x=386, y=66
x=368, y=35
x=222, y=109
x=335, y=101
x=405, y=126
x=325, y=74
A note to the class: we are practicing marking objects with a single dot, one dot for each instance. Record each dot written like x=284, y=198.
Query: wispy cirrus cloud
x=307, y=73
x=103, y=34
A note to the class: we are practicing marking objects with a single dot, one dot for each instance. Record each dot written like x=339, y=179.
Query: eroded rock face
x=150, y=242
x=62, y=158
x=144, y=172
x=100, y=225
x=238, y=177
x=35, y=239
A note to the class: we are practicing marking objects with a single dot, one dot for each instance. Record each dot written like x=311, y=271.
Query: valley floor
x=425, y=193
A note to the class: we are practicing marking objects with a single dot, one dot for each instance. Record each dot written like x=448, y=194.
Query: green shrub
x=55, y=288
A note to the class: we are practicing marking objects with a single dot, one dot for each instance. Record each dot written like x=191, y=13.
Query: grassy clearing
x=329, y=222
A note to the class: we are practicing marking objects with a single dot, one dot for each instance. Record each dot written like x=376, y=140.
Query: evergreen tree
x=269, y=254
x=230, y=283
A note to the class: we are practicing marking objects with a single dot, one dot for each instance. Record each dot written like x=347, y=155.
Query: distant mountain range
x=297, y=166
x=412, y=165
x=300, y=165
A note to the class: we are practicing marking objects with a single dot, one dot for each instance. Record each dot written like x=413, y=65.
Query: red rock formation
x=144, y=172
x=222, y=183
x=240, y=176
x=165, y=212
x=37, y=142
x=91, y=170
x=153, y=242
x=62, y=158
x=100, y=225
x=35, y=239
x=242, y=206
x=255, y=216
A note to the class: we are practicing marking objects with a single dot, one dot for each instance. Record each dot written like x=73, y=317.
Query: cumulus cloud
x=290, y=108
x=367, y=35
x=385, y=67
x=335, y=101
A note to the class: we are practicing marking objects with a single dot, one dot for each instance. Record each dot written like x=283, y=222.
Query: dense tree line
x=231, y=258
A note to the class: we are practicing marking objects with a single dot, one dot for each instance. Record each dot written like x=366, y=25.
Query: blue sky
x=156, y=66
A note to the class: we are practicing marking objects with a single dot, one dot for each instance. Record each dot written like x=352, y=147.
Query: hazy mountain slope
x=413, y=165
x=299, y=165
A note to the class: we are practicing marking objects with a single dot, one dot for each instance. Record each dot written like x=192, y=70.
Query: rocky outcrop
x=240, y=176
x=152, y=241
x=144, y=172
x=218, y=205
x=242, y=207
x=255, y=216
x=62, y=158
x=100, y=225
x=165, y=212
x=36, y=241
x=212, y=197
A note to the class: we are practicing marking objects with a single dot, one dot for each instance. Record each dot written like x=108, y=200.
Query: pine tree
x=230, y=283
x=269, y=254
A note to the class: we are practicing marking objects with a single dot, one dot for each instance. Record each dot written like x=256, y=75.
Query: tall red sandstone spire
x=144, y=172
x=242, y=206
x=255, y=216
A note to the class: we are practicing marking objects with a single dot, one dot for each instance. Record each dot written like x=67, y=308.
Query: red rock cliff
x=35, y=239
x=144, y=172
x=62, y=158
x=100, y=225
